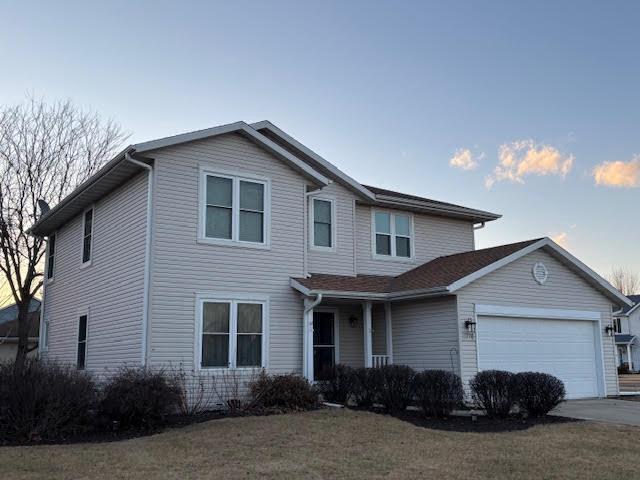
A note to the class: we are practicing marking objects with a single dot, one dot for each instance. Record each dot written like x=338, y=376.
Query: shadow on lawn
x=479, y=424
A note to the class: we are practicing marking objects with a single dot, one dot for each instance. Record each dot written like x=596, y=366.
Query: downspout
x=307, y=338
x=147, y=255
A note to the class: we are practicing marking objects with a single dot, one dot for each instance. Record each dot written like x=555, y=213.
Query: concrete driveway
x=621, y=412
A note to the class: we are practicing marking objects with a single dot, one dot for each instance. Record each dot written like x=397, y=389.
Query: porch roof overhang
x=446, y=275
x=624, y=339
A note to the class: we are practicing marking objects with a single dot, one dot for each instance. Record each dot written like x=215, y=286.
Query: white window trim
x=89, y=262
x=233, y=299
x=236, y=177
x=332, y=201
x=412, y=241
x=55, y=255
x=80, y=313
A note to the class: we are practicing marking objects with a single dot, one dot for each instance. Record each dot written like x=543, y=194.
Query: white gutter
x=147, y=255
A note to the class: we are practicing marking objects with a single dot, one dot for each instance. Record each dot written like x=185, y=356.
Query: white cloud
x=518, y=159
x=561, y=239
x=465, y=160
x=618, y=173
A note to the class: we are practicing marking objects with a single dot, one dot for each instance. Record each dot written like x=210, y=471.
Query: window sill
x=86, y=264
x=229, y=369
x=389, y=258
x=315, y=248
x=233, y=243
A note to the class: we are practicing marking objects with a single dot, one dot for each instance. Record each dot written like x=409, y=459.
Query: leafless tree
x=46, y=150
x=625, y=280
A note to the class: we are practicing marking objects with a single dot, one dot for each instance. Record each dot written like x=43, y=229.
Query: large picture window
x=392, y=235
x=234, y=209
x=232, y=333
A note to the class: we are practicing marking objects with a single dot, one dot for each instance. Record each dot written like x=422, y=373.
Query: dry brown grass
x=339, y=444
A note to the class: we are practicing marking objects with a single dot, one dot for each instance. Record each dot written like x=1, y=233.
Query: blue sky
x=389, y=92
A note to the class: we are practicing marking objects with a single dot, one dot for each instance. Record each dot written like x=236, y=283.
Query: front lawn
x=339, y=444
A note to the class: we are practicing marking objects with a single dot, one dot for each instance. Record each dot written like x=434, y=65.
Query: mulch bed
x=480, y=423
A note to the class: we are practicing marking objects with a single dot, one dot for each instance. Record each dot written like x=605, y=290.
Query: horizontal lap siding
x=434, y=237
x=351, y=337
x=112, y=288
x=182, y=267
x=340, y=261
x=513, y=285
x=425, y=334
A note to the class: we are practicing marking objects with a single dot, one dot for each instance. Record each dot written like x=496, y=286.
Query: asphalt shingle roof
x=440, y=272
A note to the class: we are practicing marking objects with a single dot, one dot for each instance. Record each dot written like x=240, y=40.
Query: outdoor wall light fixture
x=352, y=321
x=470, y=326
x=609, y=330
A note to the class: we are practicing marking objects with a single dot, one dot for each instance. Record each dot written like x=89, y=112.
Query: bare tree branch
x=46, y=150
x=625, y=280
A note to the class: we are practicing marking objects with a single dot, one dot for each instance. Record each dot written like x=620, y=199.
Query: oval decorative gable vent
x=540, y=273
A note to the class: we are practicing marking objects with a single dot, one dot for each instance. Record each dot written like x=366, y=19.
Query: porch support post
x=307, y=342
x=388, y=331
x=368, y=346
x=629, y=357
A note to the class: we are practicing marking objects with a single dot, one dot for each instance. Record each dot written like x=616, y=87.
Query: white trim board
x=248, y=131
x=525, y=312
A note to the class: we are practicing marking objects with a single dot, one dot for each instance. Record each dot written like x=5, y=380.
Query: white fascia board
x=299, y=287
x=545, y=242
x=326, y=164
x=243, y=127
x=434, y=207
x=544, y=313
x=590, y=273
x=463, y=282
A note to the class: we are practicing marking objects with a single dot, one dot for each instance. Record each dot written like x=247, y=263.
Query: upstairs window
x=617, y=325
x=87, y=236
x=51, y=254
x=82, y=342
x=232, y=334
x=323, y=224
x=392, y=235
x=234, y=209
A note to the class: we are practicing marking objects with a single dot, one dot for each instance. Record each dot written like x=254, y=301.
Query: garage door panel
x=563, y=348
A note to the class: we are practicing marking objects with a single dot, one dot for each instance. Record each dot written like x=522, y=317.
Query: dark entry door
x=324, y=347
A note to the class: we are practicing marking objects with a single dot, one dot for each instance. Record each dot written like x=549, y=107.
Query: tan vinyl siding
x=183, y=267
x=111, y=288
x=340, y=261
x=351, y=338
x=433, y=237
x=513, y=285
x=425, y=334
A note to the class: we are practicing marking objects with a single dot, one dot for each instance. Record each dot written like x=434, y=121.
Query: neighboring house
x=9, y=330
x=627, y=327
x=237, y=247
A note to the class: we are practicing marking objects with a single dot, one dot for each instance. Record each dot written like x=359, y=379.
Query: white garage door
x=564, y=348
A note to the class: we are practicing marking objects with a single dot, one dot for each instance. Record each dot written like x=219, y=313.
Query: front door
x=324, y=347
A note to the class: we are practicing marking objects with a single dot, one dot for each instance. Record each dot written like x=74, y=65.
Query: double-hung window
x=392, y=235
x=81, y=358
x=51, y=254
x=235, y=209
x=87, y=236
x=232, y=333
x=322, y=215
